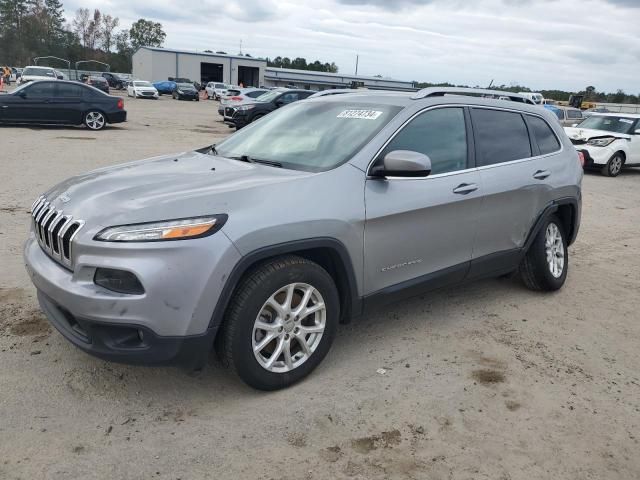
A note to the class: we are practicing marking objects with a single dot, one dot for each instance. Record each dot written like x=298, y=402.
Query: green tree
x=12, y=30
x=145, y=33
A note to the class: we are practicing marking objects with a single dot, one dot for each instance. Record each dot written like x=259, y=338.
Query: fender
x=550, y=210
x=296, y=246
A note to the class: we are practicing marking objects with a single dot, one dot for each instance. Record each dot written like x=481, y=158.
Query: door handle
x=5, y=106
x=541, y=174
x=465, y=188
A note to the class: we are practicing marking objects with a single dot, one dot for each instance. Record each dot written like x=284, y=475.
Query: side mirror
x=403, y=163
x=637, y=132
x=574, y=124
x=279, y=103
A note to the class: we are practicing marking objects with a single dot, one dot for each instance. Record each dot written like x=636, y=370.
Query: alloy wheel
x=616, y=165
x=95, y=120
x=554, y=248
x=289, y=327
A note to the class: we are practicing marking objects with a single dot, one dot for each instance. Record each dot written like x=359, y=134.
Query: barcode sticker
x=361, y=114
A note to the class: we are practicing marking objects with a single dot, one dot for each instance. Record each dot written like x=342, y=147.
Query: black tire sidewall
x=244, y=360
x=552, y=283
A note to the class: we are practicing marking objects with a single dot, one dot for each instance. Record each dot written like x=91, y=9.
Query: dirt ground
x=486, y=381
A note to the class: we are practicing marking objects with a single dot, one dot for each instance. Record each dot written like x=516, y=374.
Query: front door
x=36, y=104
x=420, y=230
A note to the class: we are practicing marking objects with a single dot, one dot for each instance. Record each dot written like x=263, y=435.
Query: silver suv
x=261, y=245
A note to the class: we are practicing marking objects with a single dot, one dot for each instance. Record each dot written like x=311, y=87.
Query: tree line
x=32, y=28
x=300, y=63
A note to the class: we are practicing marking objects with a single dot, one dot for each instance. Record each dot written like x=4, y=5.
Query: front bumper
x=595, y=156
x=139, y=94
x=183, y=96
x=182, y=281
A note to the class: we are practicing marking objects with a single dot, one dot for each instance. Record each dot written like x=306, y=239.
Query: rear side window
x=543, y=134
x=440, y=134
x=500, y=136
x=67, y=90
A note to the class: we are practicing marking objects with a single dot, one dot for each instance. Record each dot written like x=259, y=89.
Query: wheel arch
x=329, y=253
x=568, y=210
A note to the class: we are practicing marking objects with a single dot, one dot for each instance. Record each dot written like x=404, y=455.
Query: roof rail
x=441, y=91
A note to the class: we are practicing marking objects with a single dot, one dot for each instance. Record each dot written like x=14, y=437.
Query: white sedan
x=141, y=89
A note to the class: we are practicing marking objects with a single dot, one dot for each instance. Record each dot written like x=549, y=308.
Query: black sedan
x=186, y=91
x=245, y=113
x=61, y=102
x=98, y=82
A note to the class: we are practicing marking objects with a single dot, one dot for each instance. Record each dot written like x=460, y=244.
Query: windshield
x=142, y=84
x=608, y=124
x=186, y=86
x=38, y=72
x=310, y=136
x=267, y=97
x=219, y=85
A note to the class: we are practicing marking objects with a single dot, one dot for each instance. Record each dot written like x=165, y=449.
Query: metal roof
x=338, y=75
x=205, y=54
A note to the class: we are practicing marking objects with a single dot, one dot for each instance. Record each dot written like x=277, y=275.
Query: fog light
x=119, y=281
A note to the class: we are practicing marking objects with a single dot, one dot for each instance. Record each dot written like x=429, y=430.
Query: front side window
x=440, y=134
x=41, y=90
x=500, y=136
x=315, y=136
x=542, y=132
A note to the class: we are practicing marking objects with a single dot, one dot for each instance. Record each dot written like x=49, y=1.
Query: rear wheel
x=545, y=265
x=613, y=166
x=280, y=323
x=95, y=120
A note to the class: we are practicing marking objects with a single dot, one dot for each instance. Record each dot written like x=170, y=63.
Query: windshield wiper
x=249, y=159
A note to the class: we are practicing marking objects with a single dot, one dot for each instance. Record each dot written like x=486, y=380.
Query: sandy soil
x=485, y=381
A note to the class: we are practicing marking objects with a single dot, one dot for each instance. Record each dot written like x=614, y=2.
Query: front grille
x=148, y=94
x=54, y=230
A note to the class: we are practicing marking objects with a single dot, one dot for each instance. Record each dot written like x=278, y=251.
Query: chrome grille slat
x=50, y=227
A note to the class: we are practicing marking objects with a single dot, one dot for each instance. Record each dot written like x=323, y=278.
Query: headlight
x=601, y=142
x=179, y=229
x=244, y=108
x=180, y=92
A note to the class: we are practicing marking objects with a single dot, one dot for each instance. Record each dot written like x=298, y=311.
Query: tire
x=253, y=302
x=613, y=166
x=94, y=120
x=549, y=246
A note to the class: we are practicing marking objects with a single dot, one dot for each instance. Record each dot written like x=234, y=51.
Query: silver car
x=322, y=211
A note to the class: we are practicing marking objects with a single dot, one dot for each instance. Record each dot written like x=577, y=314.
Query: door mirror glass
x=279, y=103
x=637, y=132
x=403, y=163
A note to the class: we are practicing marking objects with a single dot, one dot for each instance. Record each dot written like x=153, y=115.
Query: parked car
x=244, y=114
x=591, y=111
x=216, y=90
x=167, y=87
x=115, y=80
x=186, y=91
x=100, y=83
x=61, y=102
x=608, y=141
x=33, y=73
x=567, y=116
x=536, y=98
x=232, y=91
x=141, y=89
x=257, y=245
x=244, y=95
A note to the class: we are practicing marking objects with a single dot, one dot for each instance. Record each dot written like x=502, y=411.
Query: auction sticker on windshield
x=361, y=114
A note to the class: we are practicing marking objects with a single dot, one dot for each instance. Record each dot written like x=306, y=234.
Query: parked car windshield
x=608, y=124
x=309, y=136
x=142, y=84
x=38, y=72
x=185, y=86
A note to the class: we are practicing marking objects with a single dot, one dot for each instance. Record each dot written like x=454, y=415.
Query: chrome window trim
x=466, y=170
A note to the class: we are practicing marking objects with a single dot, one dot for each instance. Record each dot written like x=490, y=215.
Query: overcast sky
x=543, y=44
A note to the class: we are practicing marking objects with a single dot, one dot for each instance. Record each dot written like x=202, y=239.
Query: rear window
x=38, y=72
x=500, y=136
x=543, y=134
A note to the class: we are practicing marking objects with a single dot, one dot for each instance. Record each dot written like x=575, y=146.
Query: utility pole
x=357, y=58
x=241, y=47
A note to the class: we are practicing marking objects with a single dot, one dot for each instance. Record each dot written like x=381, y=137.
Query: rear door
x=421, y=230
x=68, y=102
x=516, y=176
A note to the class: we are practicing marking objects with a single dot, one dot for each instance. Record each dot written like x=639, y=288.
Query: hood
x=173, y=186
x=586, y=134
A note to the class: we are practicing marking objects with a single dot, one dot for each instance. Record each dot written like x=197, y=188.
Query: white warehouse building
x=158, y=64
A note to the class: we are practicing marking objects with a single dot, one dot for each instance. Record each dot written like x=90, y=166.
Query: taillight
x=581, y=157
x=236, y=98
x=120, y=104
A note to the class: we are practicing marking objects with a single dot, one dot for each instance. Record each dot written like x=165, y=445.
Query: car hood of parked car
x=174, y=186
x=585, y=134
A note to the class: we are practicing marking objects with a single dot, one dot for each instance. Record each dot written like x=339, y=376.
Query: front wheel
x=545, y=265
x=613, y=166
x=95, y=120
x=280, y=323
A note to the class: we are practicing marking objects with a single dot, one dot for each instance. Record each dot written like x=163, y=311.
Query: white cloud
x=543, y=44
